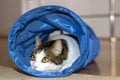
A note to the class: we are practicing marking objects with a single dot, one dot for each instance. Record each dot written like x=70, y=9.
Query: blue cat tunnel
x=43, y=21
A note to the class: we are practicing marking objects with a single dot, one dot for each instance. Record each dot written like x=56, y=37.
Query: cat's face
x=49, y=56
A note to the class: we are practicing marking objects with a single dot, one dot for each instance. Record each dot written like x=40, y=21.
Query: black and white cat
x=55, y=55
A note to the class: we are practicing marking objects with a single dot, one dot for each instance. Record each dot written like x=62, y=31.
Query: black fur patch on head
x=57, y=59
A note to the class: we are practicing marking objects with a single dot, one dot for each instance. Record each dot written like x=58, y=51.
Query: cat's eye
x=45, y=59
x=32, y=58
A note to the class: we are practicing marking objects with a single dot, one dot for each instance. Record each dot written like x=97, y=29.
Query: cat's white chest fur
x=73, y=50
x=73, y=54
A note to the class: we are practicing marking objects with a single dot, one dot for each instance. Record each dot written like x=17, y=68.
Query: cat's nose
x=34, y=67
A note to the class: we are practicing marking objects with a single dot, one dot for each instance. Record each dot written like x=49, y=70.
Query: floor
x=107, y=64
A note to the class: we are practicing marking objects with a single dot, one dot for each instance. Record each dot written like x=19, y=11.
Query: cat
x=55, y=55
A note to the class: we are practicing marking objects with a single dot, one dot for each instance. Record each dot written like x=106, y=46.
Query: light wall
x=94, y=12
x=9, y=12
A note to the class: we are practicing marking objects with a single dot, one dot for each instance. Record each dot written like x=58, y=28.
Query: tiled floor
x=106, y=64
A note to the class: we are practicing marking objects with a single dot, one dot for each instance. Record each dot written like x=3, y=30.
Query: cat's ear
x=56, y=48
x=38, y=44
x=38, y=41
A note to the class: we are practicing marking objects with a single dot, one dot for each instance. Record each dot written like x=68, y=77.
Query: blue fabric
x=42, y=21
